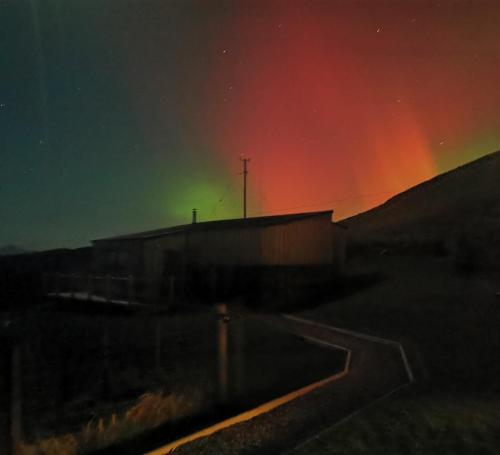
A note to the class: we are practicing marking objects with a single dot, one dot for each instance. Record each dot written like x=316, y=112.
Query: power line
x=221, y=199
x=350, y=198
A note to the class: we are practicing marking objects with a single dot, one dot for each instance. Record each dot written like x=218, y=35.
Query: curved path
x=377, y=368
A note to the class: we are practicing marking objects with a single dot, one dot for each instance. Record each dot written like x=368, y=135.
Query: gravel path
x=375, y=370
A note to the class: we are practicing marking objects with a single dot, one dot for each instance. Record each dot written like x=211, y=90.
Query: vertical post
x=222, y=351
x=245, y=173
x=45, y=287
x=108, y=288
x=106, y=371
x=89, y=287
x=130, y=289
x=158, y=346
x=15, y=397
x=5, y=433
x=171, y=289
x=72, y=285
x=56, y=284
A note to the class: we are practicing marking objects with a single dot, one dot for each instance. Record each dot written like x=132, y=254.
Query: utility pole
x=245, y=172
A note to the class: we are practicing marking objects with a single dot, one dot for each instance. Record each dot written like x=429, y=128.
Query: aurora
x=123, y=116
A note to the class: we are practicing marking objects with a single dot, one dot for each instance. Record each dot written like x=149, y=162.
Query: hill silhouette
x=461, y=206
x=463, y=198
x=11, y=250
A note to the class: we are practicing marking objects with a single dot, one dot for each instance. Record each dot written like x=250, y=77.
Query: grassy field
x=449, y=324
x=415, y=423
x=88, y=381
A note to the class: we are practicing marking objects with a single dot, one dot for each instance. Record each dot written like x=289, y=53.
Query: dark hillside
x=456, y=211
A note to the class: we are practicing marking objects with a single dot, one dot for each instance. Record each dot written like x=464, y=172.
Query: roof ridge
x=256, y=221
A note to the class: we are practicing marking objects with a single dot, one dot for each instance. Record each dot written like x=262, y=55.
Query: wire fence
x=128, y=289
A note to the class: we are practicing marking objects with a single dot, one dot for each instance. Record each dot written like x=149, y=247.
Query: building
x=254, y=257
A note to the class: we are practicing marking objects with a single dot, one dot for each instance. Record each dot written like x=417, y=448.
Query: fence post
x=56, y=284
x=171, y=288
x=106, y=370
x=45, y=287
x=130, y=289
x=89, y=287
x=15, y=397
x=158, y=346
x=72, y=281
x=108, y=288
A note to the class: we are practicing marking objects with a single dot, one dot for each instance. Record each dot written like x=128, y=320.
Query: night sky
x=119, y=116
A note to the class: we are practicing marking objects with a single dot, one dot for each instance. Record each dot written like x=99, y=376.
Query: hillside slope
x=461, y=203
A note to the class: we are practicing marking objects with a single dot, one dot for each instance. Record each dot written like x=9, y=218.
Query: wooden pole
x=171, y=289
x=6, y=443
x=108, y=288
x=15, y=398
x=106, y=371
x=89, y=287
x=56, y=284
x=72, y=283
x=45, y=287
x=130, y=289
x=158, y=346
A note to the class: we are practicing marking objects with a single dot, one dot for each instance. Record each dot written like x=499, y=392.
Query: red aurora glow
x=337, y=112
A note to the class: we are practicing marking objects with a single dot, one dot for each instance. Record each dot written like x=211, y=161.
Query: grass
x=82, y=374
x=414, y=425
x=77, y=367
x=448, y=322
x=149, y=412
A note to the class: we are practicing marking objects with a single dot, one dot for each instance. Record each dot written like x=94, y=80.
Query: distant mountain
x=12, y=250
x=461, y=203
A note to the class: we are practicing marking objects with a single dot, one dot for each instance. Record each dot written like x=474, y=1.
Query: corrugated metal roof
x=260, y=221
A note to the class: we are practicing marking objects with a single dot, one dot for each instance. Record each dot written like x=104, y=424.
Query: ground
x=448, y=321
x=414, y=423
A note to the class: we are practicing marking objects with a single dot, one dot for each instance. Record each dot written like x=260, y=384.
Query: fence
x=108, y=288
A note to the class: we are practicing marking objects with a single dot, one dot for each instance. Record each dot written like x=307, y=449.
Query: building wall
x=227, y=247
x=312, y=241
x=303, y=242
x=117, y=257
x=298, y=254
x=155, y=250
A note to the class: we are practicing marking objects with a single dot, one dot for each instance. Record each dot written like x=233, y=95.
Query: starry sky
x=123, y=115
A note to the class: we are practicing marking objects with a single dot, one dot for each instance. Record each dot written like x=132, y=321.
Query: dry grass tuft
x=150, y=411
